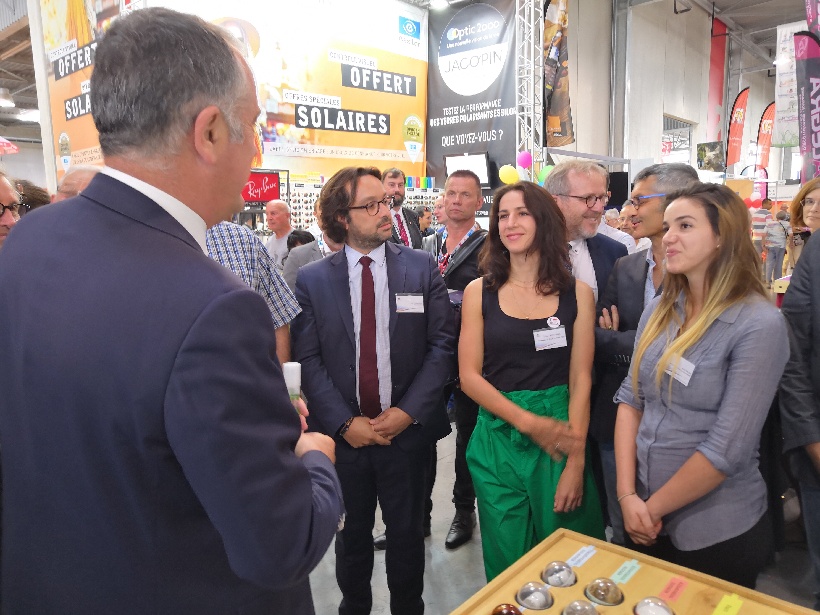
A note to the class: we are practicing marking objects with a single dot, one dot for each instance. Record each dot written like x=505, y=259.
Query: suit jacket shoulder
x=297, y=258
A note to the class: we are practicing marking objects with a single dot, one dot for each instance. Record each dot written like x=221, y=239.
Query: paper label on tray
x=581, y=556
x=673, y=589
x=728, y=605
x=626, y=571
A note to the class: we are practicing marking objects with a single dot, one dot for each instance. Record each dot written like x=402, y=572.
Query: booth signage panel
x=472, y=85
x=339, y=85
x=262, y=186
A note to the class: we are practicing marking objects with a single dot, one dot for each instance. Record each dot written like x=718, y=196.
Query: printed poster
x=472, y=85
x=807, y=58
x=338, y=87
x=557, y=108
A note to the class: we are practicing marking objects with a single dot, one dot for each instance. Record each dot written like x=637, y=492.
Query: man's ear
x=209, y=131
x=343, y=220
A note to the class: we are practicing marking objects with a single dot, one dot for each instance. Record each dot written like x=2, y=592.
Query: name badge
x=683, y=373
x=550, y=338
x=409, y=303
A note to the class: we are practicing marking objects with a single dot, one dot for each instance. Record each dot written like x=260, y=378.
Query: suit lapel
x=396, y=274
x=340, y=291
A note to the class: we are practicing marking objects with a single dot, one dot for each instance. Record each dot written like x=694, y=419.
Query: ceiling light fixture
x=439, y=4
x=5, y=98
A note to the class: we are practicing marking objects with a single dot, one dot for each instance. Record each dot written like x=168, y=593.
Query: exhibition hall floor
x=450, y=577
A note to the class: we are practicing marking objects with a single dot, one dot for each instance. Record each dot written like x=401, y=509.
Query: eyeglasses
x=809, y=203
x=373, y=207
x=589, y=200
x=14, y=208
x=637, y=201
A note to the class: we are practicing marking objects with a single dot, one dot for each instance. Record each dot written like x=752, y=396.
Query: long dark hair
x=550, y=242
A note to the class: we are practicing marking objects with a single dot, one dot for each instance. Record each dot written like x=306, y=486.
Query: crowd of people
x=605, y=368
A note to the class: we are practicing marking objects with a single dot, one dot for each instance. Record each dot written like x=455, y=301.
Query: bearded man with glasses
x=376, y=342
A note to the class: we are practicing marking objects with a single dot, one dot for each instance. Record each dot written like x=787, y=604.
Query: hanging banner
x=471, y=83
x=807, y=58
x=785, y=89
x=812, y=19
x=557, y=108
x=717, y=77
x=330, y=95
x=737, y=119
x=764, y=136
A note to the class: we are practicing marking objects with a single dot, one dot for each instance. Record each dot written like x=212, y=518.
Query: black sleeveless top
x=511, y=362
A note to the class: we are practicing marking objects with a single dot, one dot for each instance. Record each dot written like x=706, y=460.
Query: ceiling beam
x=13, y=51
x=735, y=32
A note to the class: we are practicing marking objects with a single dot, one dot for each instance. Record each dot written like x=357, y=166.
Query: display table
x=638, y=576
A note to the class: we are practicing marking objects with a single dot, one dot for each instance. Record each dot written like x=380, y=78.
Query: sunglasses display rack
x=421, y=196
x=303, y=195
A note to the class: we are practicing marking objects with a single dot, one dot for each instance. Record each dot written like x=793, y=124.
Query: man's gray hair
x=154, y=71
x=611, y=214
x=669, y=176
x=557, y=181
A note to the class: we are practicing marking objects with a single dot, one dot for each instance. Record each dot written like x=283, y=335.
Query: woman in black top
x=525, y=355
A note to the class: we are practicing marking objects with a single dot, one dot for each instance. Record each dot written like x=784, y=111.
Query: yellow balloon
x=508, y=174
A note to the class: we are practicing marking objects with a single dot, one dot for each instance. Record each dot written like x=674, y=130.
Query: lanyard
x=444, y=257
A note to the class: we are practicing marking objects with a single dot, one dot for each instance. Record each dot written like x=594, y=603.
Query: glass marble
x=579, y=607
x=559, y=574
x=652, y=606
x=605, y=592
x=534, y=596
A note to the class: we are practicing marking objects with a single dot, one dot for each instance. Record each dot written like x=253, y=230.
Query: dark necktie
x=402, y=231
x=369, y=401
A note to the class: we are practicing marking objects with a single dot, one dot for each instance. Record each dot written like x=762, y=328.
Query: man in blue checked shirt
x=238, y=249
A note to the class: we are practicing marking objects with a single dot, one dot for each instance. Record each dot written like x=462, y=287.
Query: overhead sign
x=471, y=106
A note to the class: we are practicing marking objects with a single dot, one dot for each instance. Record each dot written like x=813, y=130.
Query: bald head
x=277, y=216
x=74, y=182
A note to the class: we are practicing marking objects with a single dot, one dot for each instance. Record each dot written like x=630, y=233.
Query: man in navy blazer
x=152, y=459
x=580, y=188
x=381, y=405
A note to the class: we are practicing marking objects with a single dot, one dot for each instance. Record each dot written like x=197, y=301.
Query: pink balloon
x=524, y=159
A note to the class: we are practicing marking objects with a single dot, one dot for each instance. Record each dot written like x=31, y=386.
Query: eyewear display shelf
x=638, y=576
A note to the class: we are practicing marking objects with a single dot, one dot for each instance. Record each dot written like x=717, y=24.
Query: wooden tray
x=638, y=576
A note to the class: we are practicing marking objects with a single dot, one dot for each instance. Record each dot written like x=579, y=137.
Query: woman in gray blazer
x=694, y=403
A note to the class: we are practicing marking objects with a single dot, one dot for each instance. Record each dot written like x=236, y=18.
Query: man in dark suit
x=152, y=460
x=376, y=343
x=580, y=189
x=406, y=229
x=800, y=395
x=634, y=280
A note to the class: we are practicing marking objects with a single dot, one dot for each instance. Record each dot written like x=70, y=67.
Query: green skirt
x=515, y=483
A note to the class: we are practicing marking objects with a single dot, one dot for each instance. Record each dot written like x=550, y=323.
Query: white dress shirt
x=617, y=235
x=399, y=213
x=179, y=211
x=582, y=267
x=379, y=270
